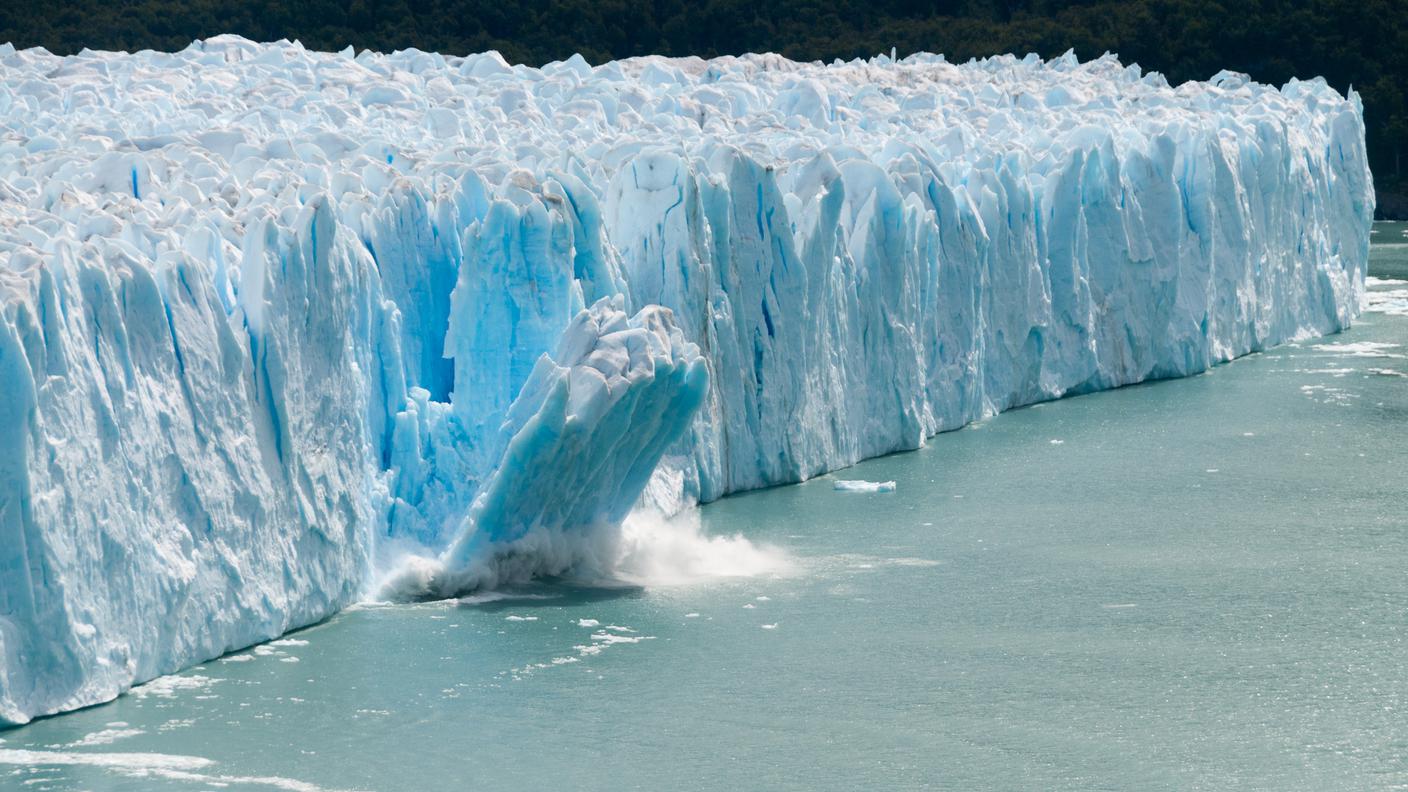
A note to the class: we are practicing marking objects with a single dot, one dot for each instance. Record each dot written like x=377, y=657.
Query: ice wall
x=280, y=327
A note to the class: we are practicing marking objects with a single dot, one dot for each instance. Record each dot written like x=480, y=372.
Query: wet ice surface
x=1200, y=586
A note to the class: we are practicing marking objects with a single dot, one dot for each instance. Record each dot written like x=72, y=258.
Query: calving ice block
x=282, y=329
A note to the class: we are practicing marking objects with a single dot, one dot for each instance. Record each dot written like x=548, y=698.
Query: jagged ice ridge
x=281, y=328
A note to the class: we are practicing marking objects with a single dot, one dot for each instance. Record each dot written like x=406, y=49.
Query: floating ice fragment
x=842, y=485
x=169, y=686
x=289, y=642
x=601, y=641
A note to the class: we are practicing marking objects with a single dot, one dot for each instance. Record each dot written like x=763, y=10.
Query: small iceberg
x=864, y=486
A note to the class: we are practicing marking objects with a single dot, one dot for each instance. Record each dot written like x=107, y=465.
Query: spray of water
x=648, y=549
x=654, y=550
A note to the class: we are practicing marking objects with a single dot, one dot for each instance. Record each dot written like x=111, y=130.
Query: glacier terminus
x=282, y=330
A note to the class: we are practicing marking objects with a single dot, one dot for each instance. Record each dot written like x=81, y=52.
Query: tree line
x=1363, y=43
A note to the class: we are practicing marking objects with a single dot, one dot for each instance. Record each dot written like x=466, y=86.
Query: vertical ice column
x=583, y=437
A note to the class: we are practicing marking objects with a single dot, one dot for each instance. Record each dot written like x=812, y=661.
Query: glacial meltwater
x=1192, y=584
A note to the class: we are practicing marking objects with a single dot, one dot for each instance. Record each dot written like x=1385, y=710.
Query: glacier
x=281, y=330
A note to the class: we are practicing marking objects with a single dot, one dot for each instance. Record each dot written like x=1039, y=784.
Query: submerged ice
x=280, y=327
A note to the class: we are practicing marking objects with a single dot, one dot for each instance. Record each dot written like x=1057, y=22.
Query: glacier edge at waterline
x=280, y=325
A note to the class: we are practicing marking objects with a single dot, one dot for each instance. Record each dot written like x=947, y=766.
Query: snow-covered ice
x=278, y=327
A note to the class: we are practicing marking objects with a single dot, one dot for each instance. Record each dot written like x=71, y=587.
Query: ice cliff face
x=278, y=327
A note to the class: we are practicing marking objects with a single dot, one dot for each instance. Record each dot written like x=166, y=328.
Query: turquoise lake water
x=1192, y=584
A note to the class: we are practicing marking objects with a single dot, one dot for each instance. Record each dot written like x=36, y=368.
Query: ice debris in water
x=842, y=485
x=1373, y=349
x=277, y=326
x=1385, y=296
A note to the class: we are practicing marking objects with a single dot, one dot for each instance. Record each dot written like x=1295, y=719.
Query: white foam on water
x=914, y=562
x=112, y=761
x=105, y=737
x=486, y=597
x=274, y=782
x=1374, y=349
x=850, y=562
x=168, y=767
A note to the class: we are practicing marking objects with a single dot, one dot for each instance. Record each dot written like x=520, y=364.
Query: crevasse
x=280, y=328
